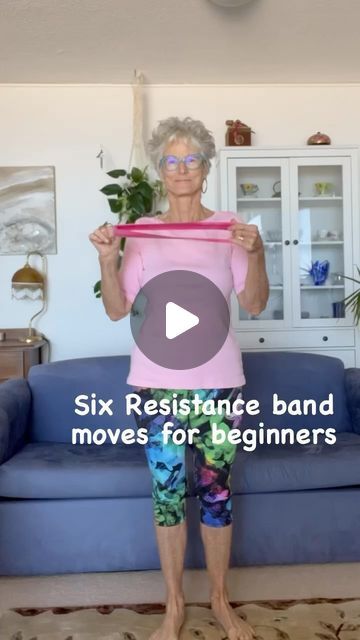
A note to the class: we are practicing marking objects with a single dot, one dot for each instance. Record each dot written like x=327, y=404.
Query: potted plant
x=353, y=299
x=134, y=196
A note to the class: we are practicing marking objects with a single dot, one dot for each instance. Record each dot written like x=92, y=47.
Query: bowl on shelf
x=337, y=278
x=273, y=235
x=306, y=281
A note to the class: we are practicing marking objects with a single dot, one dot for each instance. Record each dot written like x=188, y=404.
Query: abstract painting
x=27, y=210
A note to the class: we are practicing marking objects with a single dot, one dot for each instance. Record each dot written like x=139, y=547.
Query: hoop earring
x=206, y=186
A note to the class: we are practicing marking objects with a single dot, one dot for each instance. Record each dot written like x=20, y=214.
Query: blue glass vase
x=319, y=271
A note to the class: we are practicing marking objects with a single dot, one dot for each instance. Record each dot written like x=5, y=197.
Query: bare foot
x=234, y=627
x=173, y=621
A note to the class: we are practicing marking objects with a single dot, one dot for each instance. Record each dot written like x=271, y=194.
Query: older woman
x=181, y=151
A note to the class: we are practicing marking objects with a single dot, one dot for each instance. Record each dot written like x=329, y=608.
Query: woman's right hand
x=105, y=241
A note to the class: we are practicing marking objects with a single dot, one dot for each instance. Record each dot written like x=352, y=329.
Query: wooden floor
x=252, y=583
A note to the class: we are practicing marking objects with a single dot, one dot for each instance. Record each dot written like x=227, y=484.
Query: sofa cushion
x=51, y=470
x=55, y=386
x=273, y=468
x=295, y=375
x=59, y=470
x=352, y=384
x=15, y=398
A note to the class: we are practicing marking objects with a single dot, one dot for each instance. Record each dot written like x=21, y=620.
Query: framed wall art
x=27, y=210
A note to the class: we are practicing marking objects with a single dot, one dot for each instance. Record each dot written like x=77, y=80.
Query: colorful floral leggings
x=212, y=462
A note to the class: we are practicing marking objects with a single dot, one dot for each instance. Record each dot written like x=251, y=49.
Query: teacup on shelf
x=249, y=188
x=324, y=188
x=333, y=234
x=322, y=234
x=325, y=234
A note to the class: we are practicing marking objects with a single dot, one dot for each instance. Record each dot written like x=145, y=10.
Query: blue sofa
x=68, y=508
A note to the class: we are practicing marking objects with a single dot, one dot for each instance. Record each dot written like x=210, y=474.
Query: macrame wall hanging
x=138, y=157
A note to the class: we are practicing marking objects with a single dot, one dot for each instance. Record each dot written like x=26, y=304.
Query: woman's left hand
x=246, y=236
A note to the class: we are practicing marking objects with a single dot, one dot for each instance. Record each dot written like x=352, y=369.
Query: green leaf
x=352, y=302
x=116, y=173
x=136, y=203
x=115, y=205
x=136, y=174
x=112, y=190
x=145, y=189
x=133, y=217
x=352, y=298
x=97, y=289
x=349, y=278
x=147, y=194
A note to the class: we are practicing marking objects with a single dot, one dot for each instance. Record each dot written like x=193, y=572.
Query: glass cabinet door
x=254, y=192
x=321, y=229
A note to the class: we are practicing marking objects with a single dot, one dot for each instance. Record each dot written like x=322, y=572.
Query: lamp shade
x=27, y=283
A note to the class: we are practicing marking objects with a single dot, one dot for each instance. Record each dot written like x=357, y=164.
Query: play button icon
x=180, y=319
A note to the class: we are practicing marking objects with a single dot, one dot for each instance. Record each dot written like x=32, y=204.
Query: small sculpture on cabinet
x=238, y=134
x=319, y=138
x=319, y=271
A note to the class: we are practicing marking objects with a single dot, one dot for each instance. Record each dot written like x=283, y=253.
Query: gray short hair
x=187, y=129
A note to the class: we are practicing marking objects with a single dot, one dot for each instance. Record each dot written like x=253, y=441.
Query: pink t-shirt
x=225, y=264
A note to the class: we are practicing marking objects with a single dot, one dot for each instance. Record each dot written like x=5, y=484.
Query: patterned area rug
x=314, y=619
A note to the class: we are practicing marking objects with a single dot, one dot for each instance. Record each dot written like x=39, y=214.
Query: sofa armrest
x=352, y=389
x=15, y=402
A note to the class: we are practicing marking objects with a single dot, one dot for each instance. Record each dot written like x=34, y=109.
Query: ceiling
x=179, y=41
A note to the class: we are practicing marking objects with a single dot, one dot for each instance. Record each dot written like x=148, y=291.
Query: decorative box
x=238, y=134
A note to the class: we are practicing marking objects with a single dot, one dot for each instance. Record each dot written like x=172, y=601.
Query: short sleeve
x=239, y=263
x=131, y=269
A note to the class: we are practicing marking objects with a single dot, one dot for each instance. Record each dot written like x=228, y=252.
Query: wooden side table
x=16, y=357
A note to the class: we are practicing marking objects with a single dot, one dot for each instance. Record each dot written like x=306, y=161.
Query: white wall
x=64, y=126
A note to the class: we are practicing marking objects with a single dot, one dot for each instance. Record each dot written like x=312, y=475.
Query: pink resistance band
x=139, y=230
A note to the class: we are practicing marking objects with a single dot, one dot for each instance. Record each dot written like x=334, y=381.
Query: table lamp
x=29, y=284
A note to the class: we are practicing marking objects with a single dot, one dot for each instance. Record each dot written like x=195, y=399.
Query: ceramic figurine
x=238, y=134
x=319, y=271
x=319, y=138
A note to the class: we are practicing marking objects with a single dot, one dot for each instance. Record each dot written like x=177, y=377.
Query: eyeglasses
x=192, y=162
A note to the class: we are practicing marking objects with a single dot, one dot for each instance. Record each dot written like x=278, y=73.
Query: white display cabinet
x=305, y=204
